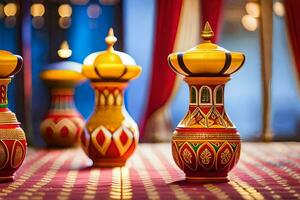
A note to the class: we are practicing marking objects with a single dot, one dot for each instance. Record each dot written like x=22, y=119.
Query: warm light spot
x=38, y=22
x=93, y=11
x=109, y=2
x=37, y=10
x=249, y=23
x=65, y=22
x=65, y=10
x=64, y=51
x=278, y=8
x=253, y=9
x=79, y=2
x=10, y=9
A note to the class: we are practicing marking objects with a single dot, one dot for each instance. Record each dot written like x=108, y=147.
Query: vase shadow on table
x=186, y=183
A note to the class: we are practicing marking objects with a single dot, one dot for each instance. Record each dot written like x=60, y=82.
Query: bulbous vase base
x=109, y=163
x=207, y=179
x=6, y=179
x=206, y=156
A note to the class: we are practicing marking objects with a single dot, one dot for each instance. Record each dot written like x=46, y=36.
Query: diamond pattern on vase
x=123, y=139
x=63, y=127
x=101, y=139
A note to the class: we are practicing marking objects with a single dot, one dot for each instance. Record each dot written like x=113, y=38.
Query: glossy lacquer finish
x=12, y=138
x=110, y=135
x=206, y=145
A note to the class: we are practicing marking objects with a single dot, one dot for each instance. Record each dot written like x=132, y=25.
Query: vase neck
x=62, y=98
x=109, y=97
x=3, y=92
x=206, y=95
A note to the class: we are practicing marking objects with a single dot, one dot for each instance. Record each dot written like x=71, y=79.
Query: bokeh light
x=64, y=22
x=38, y=22
x=93, y=11
x=253, y=9
x=278, y=8
x=249, y=23
x=10, y=9
x=37, y=10
x=64, y=51
x=65, y=10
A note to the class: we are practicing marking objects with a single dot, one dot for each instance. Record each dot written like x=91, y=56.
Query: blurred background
x=37, y=29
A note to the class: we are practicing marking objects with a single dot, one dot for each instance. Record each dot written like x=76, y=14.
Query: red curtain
x=163, y=78
x=292, y=8
x=212, y=11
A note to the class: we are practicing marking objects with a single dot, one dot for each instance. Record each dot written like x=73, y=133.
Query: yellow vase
x=110, y=135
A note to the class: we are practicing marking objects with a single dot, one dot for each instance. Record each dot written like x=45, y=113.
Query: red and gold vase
x=63, y=124
x=12, y=138
x=110, y=135
x=206, y=145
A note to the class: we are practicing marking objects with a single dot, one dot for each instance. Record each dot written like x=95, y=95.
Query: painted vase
x=63, y=124
x=110, y=135
x=206, y=145
x=12, y=138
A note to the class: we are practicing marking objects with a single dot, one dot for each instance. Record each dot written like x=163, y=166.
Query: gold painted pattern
x=109, y=98
x=205, y=156
x=12, y=134
x=225, y=157
x=213, y=119
x=209, y=136
x=4, y=155
x=19, y=154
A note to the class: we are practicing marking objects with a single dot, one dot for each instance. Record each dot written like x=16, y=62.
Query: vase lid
x=110, y=65
x=65, y=72
x=10, y=64
x=206, y=59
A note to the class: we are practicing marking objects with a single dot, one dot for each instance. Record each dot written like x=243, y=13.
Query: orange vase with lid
x=206, y=145
x=12, y=138
x=63, y=124
x=110, y=135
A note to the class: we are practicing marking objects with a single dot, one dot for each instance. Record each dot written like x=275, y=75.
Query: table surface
x=265, y=171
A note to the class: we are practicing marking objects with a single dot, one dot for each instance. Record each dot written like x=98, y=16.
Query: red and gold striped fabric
x=265, y=171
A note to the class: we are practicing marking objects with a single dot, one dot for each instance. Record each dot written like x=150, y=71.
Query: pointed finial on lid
x=207, y=33
x=110, y=39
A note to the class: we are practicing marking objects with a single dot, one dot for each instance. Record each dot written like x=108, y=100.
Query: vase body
x=110, y=135
x=63, y=124
x=12, y=138
x=206, y=144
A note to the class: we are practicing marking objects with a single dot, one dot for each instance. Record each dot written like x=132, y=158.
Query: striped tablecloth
x=265, y=171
